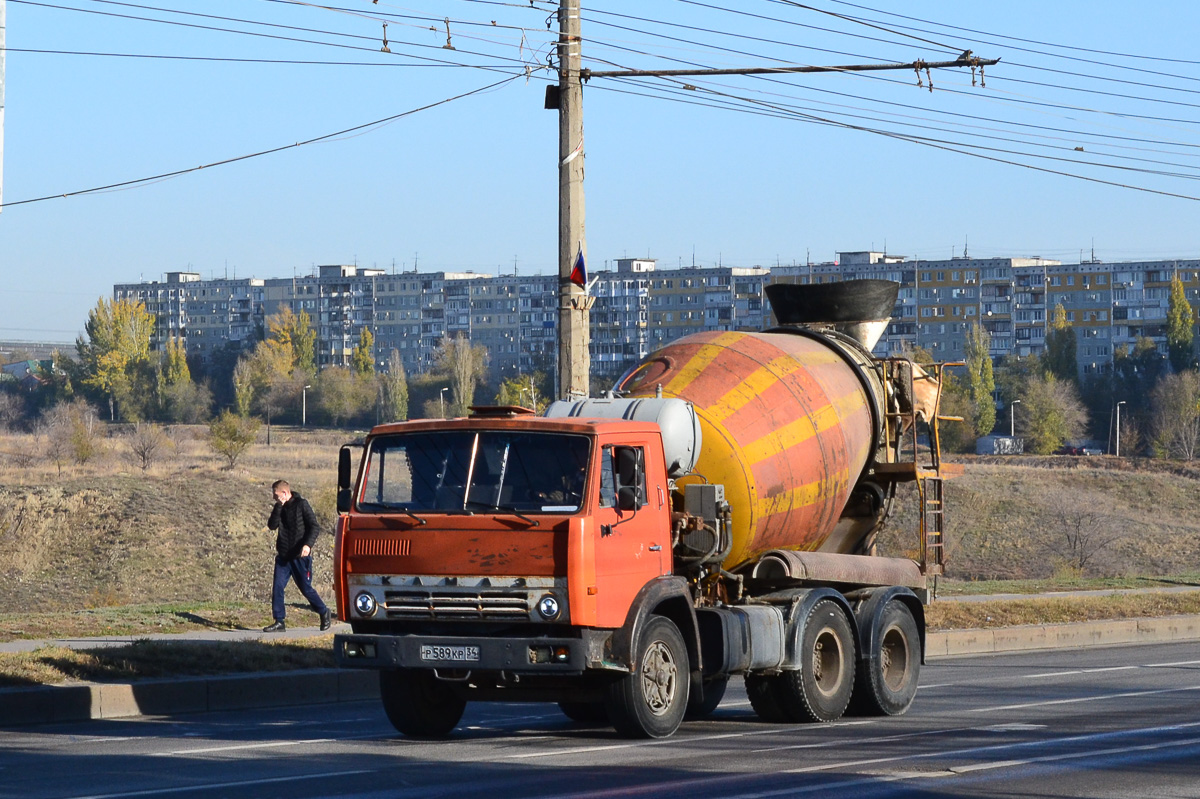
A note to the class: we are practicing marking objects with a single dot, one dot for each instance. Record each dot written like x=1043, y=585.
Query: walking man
x=293, y=517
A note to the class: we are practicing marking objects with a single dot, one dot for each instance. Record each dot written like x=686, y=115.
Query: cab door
x=633, y=534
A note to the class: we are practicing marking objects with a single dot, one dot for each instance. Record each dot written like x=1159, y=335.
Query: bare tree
x=1083, y=532
x=1176, y=416
x=147, y=443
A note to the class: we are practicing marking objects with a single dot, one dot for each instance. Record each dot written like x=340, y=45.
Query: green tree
x=180, y=399
x=1050, y=413
x=523, y=391
x=394, y=389
x=362, y=360
x=955, y=436
x=296, y=332
x=230, y=435
x=1180, y=331
x=1060, y=347
x=465, y=365
x=980, y=379
x=341, y=395
x=115, y=356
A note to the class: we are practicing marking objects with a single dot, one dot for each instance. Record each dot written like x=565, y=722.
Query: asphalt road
x=1119, y=722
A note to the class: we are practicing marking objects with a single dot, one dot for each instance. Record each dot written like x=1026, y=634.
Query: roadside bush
x=230, y=435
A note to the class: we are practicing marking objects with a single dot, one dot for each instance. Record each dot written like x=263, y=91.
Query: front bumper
x=523, y=655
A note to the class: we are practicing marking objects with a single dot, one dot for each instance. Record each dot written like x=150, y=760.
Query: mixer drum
x=787, y=424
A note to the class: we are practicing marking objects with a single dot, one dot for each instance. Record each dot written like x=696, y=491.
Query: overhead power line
x=327, y=137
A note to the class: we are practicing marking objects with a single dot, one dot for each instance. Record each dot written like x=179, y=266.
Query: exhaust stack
x=860, y=309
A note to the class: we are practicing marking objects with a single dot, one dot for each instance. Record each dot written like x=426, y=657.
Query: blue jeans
x=300, y=570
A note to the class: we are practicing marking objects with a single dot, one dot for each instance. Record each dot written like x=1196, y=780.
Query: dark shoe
x=277, y=627
x=326, y=619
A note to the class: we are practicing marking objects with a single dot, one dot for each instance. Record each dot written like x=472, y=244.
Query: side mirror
x=629, y=478
x=345, y=497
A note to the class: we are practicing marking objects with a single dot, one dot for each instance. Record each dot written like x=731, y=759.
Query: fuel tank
x=790, y=417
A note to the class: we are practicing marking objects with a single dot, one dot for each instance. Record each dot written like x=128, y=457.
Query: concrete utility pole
x=2, y=52
x=573, y=301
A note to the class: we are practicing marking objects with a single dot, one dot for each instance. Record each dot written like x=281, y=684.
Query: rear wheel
x=585, y=712
x=887, y=683
x=418, y=704
x=714, y=692
x=820, y=689
x=650, y=702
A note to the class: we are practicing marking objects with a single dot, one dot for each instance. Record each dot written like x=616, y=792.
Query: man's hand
x=304, y=551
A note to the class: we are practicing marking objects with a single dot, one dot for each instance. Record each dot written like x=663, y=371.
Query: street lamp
x=1119, y=404
x=304, y=406
x=442, y=402
x=1012, y=419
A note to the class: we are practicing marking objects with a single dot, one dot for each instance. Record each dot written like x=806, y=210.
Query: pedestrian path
x=101, y=642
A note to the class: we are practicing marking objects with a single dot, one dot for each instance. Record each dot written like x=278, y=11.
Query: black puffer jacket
x=297, y=526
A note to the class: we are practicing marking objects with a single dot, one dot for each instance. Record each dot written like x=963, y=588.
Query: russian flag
x=579, y=271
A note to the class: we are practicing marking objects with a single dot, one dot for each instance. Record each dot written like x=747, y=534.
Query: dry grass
x=1064, y=518
x=149, y=659
x=1058, y=610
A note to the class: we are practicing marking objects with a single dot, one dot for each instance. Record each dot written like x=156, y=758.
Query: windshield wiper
x=505, y=509
x=403, y=509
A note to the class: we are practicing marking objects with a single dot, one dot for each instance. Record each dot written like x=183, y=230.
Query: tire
x=585, y=712
x=821, y=688
x=764, y=699
x=714, y=692
x=886, y=683
x=418, y=704
x=650, y=702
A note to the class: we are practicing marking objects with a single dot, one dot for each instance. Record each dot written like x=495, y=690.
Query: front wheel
x=714, y=692
x=585, y=712
x=650, y=702
x=418, y=704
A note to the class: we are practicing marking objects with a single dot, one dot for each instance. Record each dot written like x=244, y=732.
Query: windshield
x=467, y=470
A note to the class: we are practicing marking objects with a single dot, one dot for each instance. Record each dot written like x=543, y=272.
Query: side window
x=608, y=479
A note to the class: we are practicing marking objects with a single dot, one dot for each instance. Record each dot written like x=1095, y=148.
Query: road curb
x=1062, y=636
x=61, y=703
x=46, y=704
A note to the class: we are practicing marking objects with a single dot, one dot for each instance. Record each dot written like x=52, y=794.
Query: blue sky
x=472, y=184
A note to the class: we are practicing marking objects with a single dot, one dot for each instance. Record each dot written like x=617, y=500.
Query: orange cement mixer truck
x=714, y=516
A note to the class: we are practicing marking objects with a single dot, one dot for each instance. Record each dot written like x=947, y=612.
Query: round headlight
x=365, y=604
x=548, y=607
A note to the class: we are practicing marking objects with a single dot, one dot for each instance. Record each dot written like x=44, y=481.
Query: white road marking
x=678, y=741
x=237, y=747
x=219, y=785
x=1077, y=700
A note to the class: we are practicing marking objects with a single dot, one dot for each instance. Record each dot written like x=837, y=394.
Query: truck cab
x=494, y=557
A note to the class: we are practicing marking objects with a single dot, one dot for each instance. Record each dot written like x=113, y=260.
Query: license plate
x=461, y=654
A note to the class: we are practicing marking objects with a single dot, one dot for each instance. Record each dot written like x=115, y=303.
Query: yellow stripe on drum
x=705, y=355
x=801, y=496
x=764, y=378
x=804, y=428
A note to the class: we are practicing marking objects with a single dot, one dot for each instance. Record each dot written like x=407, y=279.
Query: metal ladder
x=933, y=524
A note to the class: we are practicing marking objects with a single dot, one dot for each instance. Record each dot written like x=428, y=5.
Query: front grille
x=464, y=605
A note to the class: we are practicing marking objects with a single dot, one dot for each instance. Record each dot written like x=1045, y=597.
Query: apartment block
x=640, y=307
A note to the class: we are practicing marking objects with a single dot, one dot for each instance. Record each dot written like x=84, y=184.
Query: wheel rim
x=827, y=662
x=660, y=678
x=894, y=658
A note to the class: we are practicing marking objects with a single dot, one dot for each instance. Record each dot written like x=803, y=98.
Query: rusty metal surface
x=844, y=569
x=786, y=424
